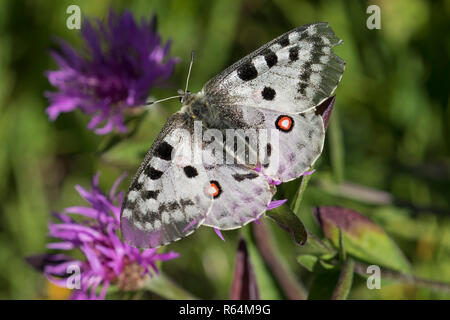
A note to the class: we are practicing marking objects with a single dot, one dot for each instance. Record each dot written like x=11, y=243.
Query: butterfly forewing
x=168, y=197
x=293, y=73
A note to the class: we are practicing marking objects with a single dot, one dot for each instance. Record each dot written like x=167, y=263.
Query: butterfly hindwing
x=293, y=73
x=300, y=142
x=285, y=145
x=243, y=196
x=166, y=200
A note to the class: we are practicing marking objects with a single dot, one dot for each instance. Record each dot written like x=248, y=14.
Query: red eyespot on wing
x=214, y=189
x=284, y=123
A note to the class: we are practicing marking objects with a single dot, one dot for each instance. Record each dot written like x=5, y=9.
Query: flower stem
x=264, y=240
x=295, y=205
x=345, y=281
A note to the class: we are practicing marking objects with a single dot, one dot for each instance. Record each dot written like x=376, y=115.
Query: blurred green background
x=386, y=155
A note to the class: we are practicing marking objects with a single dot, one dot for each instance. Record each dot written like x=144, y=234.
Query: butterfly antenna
x=189, y=72
x=148, y=103
x=181, y=94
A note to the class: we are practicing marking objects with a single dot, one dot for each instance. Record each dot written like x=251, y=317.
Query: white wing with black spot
x=242, y=196
x=168, y=198
x=291, y=74
x=300, y=143
x=276, y=91
x=286, y=145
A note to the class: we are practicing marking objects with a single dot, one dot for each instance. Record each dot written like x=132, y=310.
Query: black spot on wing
x=284, y=41
x=153, y=173
x=317, y=46
x=302, y=36
x=270, y=57
x=174, y=205
x=268, y=93
x=317, y=40
x=306, y=73
x=304, y=77
x=136, y=185
x=190, y=171
x=130, y=205
x=247, y=71
x=150, y=194
x=293, y=54
x=163, y=207
x=144, y=217
x=240, y=177
x=315, y=57
x=164, y=151
x=186, y=202
x=302, y=87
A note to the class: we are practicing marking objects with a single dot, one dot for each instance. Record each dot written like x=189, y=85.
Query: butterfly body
x=215, y=161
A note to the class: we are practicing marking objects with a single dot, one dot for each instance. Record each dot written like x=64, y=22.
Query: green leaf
x=342, y=253
x=321, y=249
x=308, y=261
x=289, y=221
x=301, y=190
x=362, y=238
x=326, y=265
x=166, y=288
x=345, y=281
x=323, y=284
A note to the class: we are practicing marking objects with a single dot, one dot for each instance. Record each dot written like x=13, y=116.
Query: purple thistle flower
x=108, y=260
x=122, y=61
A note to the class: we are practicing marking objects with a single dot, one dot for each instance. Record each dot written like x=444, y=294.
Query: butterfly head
x=185, y=96
x=195, y=105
